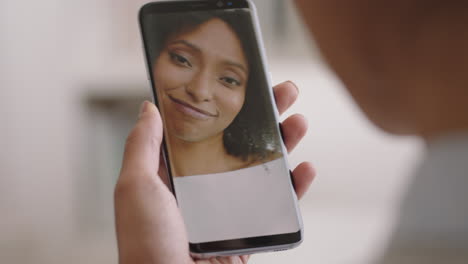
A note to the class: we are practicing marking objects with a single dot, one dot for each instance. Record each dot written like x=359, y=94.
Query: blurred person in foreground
x=405, y=63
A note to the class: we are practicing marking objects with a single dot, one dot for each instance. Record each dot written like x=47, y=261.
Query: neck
x=442, y=114
x=445, y=129
x=194, y=158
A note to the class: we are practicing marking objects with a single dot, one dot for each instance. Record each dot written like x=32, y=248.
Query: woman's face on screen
x=201, y=78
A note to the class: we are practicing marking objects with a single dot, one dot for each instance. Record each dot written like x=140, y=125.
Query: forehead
x=216, y=38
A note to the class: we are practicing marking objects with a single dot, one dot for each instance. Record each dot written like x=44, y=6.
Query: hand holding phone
x=149, y=225
x=226, y=163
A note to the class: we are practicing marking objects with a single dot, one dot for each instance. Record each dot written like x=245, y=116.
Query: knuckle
x=133, y=135
x=145, y=132
x=142, y=189
x=129, y=186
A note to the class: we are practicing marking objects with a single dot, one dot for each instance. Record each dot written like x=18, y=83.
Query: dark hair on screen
x=252, y=135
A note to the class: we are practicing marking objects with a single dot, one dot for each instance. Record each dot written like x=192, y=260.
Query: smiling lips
x=191, y=110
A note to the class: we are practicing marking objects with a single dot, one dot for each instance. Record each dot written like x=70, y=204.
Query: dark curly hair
x=252, y=136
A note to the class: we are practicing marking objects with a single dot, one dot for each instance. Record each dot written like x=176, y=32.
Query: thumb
x=143, y=143
x=144, y=234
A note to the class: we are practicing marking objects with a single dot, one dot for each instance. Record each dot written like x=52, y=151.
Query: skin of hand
x=149, y=226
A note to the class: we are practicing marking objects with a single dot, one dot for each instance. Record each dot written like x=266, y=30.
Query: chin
x=392, y=124
x=387, y=113
x=189, y=137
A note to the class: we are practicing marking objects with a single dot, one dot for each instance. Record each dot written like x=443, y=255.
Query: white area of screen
x=256, y=201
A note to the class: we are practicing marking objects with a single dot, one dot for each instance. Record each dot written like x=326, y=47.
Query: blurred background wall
x=72, y=77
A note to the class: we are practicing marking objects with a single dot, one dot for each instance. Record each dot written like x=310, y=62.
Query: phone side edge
x=154, y=98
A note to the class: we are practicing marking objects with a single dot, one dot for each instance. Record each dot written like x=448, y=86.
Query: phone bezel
x=225, y=247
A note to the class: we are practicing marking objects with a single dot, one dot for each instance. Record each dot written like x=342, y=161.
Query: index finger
x=285, y=95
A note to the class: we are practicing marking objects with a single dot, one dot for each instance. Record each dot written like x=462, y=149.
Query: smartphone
x=222, y=142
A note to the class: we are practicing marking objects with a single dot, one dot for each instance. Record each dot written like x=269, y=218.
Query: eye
x=230, y=81
x=179, y=59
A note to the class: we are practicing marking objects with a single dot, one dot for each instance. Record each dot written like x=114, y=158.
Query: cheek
x=168, y=76
x=231, y=102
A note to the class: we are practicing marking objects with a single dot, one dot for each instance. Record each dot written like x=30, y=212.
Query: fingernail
x=143, y=108
x=295, y=86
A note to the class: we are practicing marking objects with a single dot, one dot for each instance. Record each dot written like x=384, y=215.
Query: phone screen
x=222, y=139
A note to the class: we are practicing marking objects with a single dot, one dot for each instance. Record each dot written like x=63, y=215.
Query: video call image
x=220, y=129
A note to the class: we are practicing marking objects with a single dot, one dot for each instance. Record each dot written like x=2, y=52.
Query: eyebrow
x=186, y=43
x=197, y=49
x=237, y=65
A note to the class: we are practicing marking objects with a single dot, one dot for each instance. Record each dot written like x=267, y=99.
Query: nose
x=201, y=87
